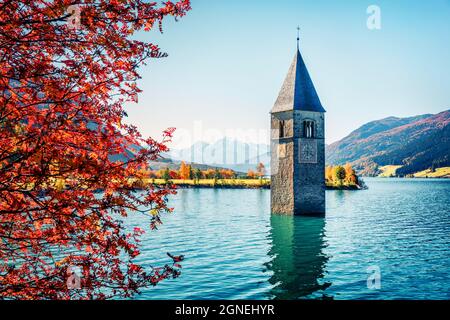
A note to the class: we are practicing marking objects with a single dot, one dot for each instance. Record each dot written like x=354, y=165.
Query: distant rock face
x=416, y=143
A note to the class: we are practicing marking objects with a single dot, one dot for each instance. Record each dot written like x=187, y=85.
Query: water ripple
x=235, y=249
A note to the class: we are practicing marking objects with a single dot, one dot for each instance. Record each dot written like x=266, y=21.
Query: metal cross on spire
x=298, y=35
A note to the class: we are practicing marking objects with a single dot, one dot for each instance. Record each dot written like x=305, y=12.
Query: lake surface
x=235, y=249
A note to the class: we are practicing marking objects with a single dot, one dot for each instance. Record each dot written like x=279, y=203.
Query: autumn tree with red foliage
x=184, y=171
x=260, y=170
x=62, y=138
x=251, y=174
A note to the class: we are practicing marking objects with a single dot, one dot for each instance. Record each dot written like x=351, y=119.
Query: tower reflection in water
x=297, y=258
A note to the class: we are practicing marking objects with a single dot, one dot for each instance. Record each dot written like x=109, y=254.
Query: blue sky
x=227, y=61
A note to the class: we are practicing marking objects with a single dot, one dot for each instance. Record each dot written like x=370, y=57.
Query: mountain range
x=225, y=153
x=410, y=144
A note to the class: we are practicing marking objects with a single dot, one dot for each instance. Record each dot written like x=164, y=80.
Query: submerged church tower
x=298, y=145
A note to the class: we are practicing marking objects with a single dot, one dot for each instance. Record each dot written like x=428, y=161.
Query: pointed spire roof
x=298, y=92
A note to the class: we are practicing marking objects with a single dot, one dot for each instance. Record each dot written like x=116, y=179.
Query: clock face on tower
x=308, y=150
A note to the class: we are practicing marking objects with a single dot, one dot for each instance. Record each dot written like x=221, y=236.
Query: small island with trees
x=188, y=176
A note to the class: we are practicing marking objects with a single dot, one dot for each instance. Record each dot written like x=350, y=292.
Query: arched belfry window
x=309, y=129
x=282, y=129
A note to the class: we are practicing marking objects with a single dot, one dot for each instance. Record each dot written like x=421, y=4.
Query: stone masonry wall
x=309, y=178
x=282, y=188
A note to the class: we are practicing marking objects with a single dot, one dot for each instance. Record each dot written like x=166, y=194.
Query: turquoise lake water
x=235, y=249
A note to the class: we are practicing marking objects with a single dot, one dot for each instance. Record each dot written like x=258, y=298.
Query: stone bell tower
x=298, y=145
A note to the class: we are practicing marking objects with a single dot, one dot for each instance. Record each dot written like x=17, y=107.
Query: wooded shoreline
x=238, y=184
